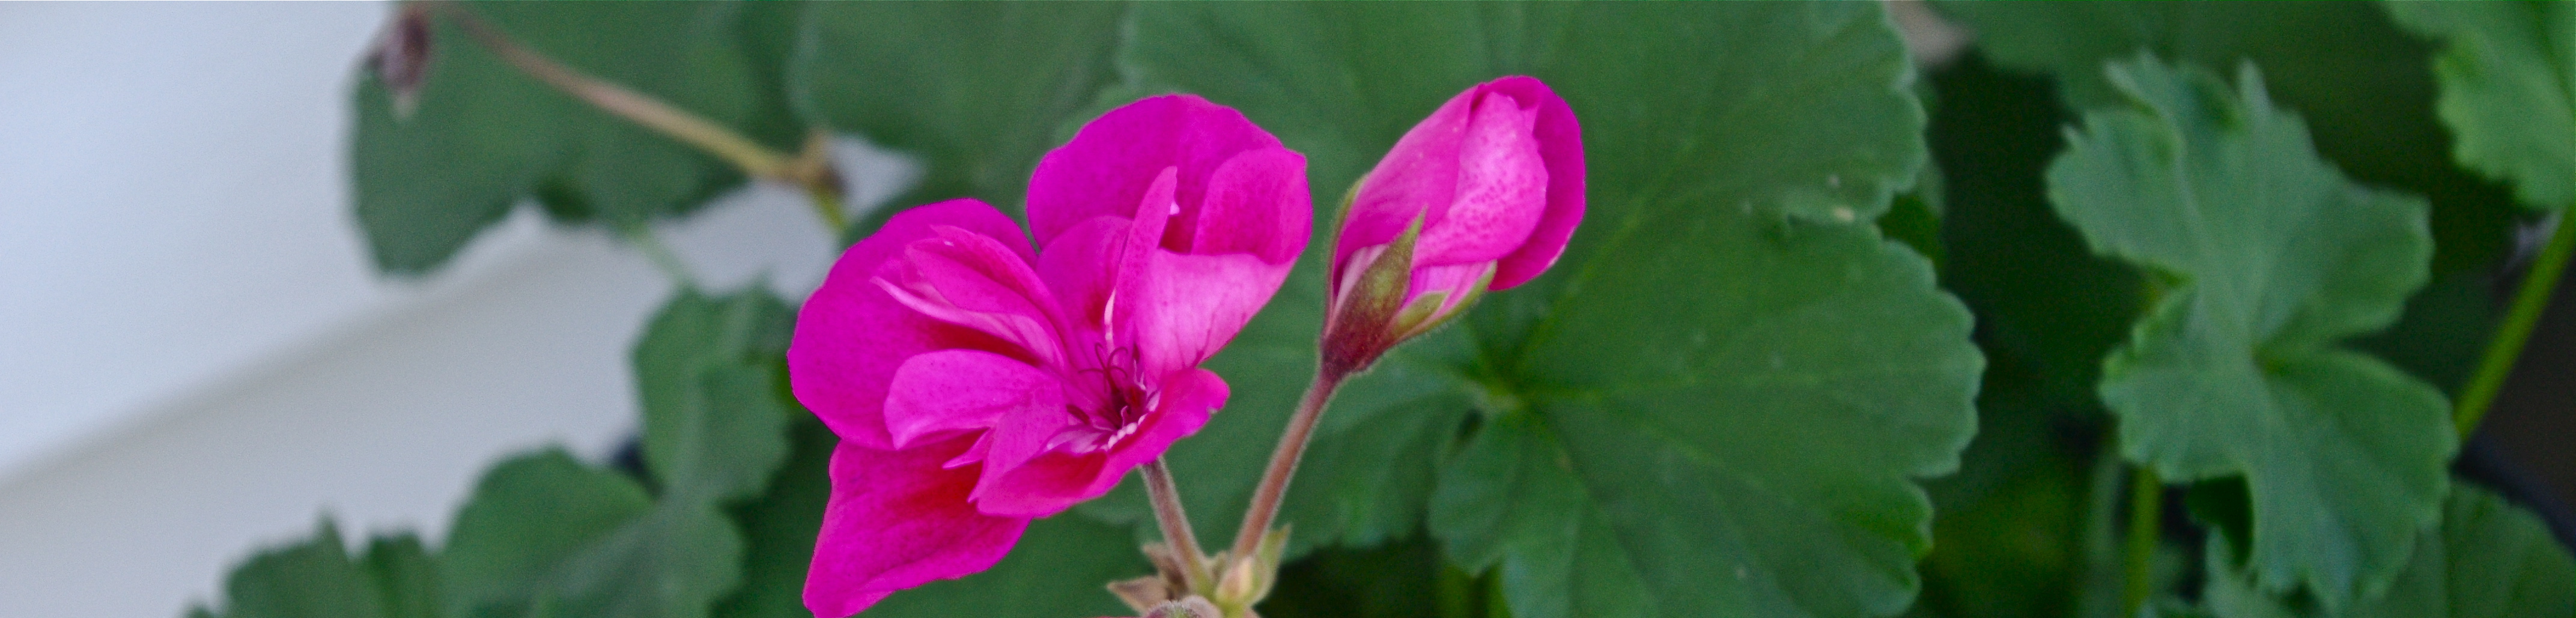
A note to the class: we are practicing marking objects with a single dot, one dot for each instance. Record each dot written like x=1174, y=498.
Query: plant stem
x=1283, y=460
x=1184, y=544
x=757, y=161
x=644, y=110
x=2146, y=519
x=2506, y=347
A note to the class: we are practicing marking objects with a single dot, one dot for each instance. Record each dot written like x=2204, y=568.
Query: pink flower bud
x=1480, y=196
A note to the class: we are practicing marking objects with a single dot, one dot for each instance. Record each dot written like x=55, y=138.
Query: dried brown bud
x=400, y=58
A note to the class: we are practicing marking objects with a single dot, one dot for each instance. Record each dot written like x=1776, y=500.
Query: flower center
x=1121, y=404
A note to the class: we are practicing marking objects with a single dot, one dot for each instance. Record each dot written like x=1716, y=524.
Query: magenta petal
x=1502, y=189
x=978, y=282
x=1145, y=234
x=1017, y=439
x=897, y=519
x=1078, y=266
x=850, y=336
x=1421, y=176
x=1417, y=177
x=1043, y=485
x=949, y=391
x=1104, y=170
x=1256, y=203
x=1560, y=143
x=1184, y=308
x=1058, y=479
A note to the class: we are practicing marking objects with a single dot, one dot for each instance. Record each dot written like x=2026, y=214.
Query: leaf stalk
x=2146, y=519
x=809, y=169
x=2529, y=299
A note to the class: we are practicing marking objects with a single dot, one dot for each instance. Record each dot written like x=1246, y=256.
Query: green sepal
x=1359, y=325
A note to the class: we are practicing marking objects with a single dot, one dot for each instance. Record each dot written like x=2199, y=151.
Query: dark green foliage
x=2506, y=92
x=1652, y=412
x=2487, y=559
x=1724, y=400
x=2366, y=89
x=2268, y=258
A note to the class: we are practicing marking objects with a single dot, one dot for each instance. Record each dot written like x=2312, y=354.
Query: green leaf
x=2508, y=90
x=486, y=136
x=2488, y=559
x=1389, y=430
x=317, y=578
x=1512, y=503
x=1395, y=580
x=674, y=561
x=2013, y=261
x=526, y=515
x=1715, y=403
x=2267, y=257
x=407, y=575
x=2314, y=57
x=544, y=534
x=2017, y=551
x=780, y=527
x=2021, y=530
x=974, y=89
x=1061, y=567
x=312, y=579
x=715, y=424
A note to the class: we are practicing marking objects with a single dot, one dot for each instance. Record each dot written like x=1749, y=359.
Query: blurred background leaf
x=707, y=370
x=2268, y=257
x=2314, y=57
x=2487, y=559
x=318, y=578
x=486, y=136
x=2505, y=90
x=2015, y=528
x=975, y=89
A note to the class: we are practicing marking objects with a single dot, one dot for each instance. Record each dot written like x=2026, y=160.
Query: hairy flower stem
x=806, y=170
x=2502, y=351
x=1283, y=460
x=1184, y=544
x=2146, y=519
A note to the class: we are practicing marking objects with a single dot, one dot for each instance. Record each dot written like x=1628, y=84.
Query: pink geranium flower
x=977, y=384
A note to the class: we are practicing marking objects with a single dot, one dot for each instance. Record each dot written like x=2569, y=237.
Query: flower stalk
x=1283, y=459
x=1175, y=523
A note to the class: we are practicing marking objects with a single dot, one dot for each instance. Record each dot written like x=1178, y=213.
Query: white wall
x=194, y=357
